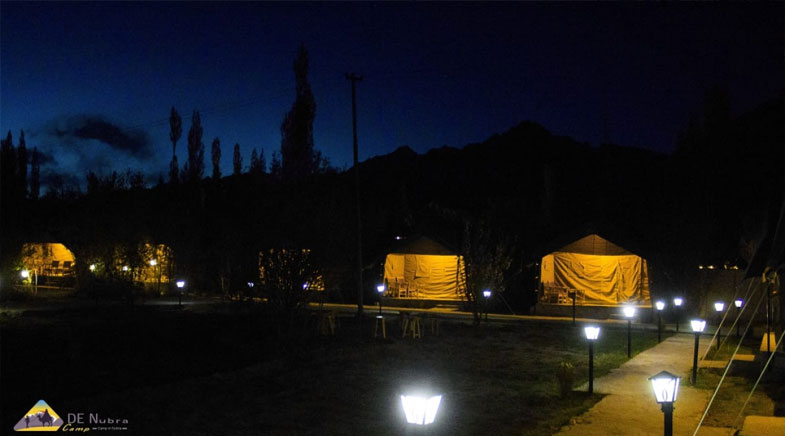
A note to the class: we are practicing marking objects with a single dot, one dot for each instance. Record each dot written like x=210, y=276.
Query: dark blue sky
x=435, y=74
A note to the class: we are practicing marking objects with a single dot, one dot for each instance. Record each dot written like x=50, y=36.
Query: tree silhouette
x=256, y=165
x=275, y=166
x=21, y=153
x=35, y=175
x=175, y=130
x=194, y=168
x=297, y=152
x=237, y=161
x=216, y=155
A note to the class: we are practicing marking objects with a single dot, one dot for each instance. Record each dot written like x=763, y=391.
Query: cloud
x=133, y=142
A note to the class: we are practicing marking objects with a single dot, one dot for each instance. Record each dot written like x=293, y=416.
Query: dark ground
x=221, y=371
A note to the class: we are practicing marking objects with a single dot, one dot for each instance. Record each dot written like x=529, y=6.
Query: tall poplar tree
x=175, y=130
x=297, y=151
x=194, y=168
x=216, y=158
x=237, y=161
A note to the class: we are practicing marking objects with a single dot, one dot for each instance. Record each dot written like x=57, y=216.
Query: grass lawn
x=736, y=387
x=178, y=372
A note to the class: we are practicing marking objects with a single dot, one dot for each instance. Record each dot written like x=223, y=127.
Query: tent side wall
x=436, y=277
x=595, y=279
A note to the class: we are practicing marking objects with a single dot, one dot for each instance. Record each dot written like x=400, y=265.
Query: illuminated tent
x=48, y=259
x=424, y=269
x=597, y=271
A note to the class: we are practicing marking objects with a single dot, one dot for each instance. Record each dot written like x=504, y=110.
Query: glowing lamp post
x=660, y=305
x=592, y=333
x=629, y=312
x=420, y=410
x=738, y=303
x=181, y=286
x=677, y=302
x=487, y=294
x=380, y=289
x=697, y=327
x=24, y=273
x=719, y=306
x=666, y=388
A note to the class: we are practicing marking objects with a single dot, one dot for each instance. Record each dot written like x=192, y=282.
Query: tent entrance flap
x=437, y=277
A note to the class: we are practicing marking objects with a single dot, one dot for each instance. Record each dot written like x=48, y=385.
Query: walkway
x=630, y=408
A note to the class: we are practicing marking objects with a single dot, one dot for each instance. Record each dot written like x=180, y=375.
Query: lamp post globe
x=738, y=303
x=629, y=313
x=666, y=388
x=487, y=294
x=380, y=290
x=719, y=306
x=697, y=327
x=592, y=333
x=660, y=305
x=420, y=410
x=677, y=302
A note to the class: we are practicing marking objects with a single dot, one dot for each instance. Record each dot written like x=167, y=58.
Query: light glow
x=250, y=284
x=665, y=386
x=181, y=284
x=591, y=332
x=24, y=273
x=678, y=301
x=420, y=410
x=125, y=267
x=380, y=289
x=92, y=267
x=153, y=262
x=719, y=306
x=660, y=305
x=629, y=311
x=486, y=293
x=738, y=303
x=698, y=325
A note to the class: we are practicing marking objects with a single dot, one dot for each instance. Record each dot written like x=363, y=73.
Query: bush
x=566, y=377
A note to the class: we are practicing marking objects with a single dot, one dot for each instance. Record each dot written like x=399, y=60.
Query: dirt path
x=630, y=408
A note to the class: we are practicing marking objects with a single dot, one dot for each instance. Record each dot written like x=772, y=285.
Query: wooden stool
x=379, y=321
x=414, y=327
x=327, y=324
x=404, y=322
x=432, y=321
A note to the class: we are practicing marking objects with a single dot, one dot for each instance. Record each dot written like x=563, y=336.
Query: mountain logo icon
x=40, y=418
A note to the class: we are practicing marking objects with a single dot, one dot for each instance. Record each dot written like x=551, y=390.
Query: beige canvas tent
x=424, y=269
x=48, y=259
x=598, y=271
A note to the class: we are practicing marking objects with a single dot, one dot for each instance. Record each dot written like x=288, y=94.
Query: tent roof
x=596, y=245
x=421, y=245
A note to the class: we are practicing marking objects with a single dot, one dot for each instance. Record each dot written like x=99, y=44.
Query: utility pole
x=359, y=273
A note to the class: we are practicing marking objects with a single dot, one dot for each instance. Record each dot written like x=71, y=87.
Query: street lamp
x=666, y=388
x=677, y=302
x=487, y=294
x=153, y=262
x=181, y=286
x=592, y=333
x=697, y=327
x=629, y=312
x=420, y=410
x=738, y=303
x=380, y=289
x=24, y=273
x=660, y=307
x=719, y=306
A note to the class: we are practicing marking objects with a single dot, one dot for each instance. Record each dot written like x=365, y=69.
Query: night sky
x=434, y=74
